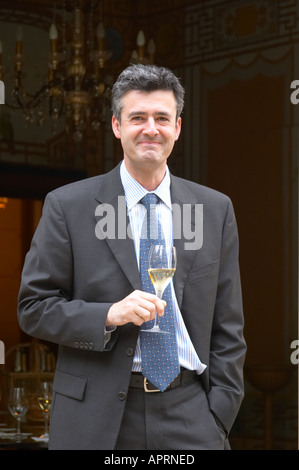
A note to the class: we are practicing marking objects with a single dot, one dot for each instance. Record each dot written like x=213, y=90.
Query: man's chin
x=151, y=156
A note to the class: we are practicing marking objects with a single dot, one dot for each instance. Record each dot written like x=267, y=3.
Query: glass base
x=156, y=329
x=20, y=437
x=41, y=438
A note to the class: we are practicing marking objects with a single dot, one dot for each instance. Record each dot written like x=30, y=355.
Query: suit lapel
x=111, y=193
x=182, y=200
x=122, y=246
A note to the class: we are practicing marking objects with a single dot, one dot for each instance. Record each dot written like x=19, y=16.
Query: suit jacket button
x=130, y=352
x=122, y=396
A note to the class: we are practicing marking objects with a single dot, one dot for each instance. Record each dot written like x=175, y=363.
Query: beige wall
x=17, y=223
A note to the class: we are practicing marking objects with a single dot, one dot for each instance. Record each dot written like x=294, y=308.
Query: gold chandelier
x=77, y=87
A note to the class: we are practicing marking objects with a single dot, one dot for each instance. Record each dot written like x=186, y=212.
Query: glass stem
x=156, y=321
x=18, y=426
x=46, y=424
x=159, y=293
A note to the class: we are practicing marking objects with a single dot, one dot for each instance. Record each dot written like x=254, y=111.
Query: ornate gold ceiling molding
x=219, y=29
x=40, y=18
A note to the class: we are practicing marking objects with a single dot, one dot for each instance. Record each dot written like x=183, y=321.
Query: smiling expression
x=148, y=129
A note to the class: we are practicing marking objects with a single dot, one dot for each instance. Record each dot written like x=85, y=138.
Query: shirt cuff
x=107, y=333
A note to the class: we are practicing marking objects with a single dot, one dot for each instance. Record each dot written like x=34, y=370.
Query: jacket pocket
x=69, y=385
x=200, y=272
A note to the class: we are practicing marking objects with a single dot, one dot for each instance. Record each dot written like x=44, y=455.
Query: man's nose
x=150, y=127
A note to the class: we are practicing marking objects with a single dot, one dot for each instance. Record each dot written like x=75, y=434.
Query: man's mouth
x=149, y=142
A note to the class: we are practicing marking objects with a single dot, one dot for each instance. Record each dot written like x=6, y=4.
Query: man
x=82, y=288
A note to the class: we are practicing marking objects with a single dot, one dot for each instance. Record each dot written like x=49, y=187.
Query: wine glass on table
x=18, y=404
x=162, y=266
x=1, y=398
x=44, y=397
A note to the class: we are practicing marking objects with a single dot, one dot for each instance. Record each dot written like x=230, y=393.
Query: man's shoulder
x=199, y=191
x=80, y=189
x=79, y=186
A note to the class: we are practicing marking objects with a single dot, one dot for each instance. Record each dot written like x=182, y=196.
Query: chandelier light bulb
x=53, y=33
x=140, y=39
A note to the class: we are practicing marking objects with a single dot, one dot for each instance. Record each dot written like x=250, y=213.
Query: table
x=33, y=430
x=28, y=444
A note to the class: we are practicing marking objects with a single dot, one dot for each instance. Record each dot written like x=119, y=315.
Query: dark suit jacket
x=71, y=277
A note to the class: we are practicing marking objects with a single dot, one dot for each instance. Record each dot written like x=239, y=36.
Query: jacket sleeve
x=46, y=307
x=228, y=347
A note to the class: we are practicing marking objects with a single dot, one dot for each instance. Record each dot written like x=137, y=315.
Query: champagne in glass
x=162, y=266
x=44, y=397
x=18, y=404
x=160, y=278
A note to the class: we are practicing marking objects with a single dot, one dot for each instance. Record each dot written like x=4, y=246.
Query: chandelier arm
x=51, y=109
x=81, y=93
x=36, y=98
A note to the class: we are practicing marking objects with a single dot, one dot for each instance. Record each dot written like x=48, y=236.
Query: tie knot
x=149, y=199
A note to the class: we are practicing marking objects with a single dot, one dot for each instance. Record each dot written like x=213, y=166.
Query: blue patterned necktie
x=159, y=352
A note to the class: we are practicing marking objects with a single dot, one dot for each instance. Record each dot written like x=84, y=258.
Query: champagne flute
x=44, y=398
x=1, y=398
x=18, y=404
x=162, y=266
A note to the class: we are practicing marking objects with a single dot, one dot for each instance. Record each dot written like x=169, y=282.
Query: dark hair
x=146, y=78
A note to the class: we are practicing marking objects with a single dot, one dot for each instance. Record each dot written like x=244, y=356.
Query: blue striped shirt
x=134, y=192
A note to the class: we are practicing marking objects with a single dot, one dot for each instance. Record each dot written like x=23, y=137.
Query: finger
x=159, y=303
x=160, y=306
x=146, y=311
x=154, y=305
x=142, y=315
x=137, y=320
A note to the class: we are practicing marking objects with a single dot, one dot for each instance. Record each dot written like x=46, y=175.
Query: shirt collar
x=134, y=191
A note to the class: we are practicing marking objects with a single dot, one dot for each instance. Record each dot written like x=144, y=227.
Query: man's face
x=148, y=128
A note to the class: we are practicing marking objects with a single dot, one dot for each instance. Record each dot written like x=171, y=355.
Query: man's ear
x=116, y=127
x=178, y=128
